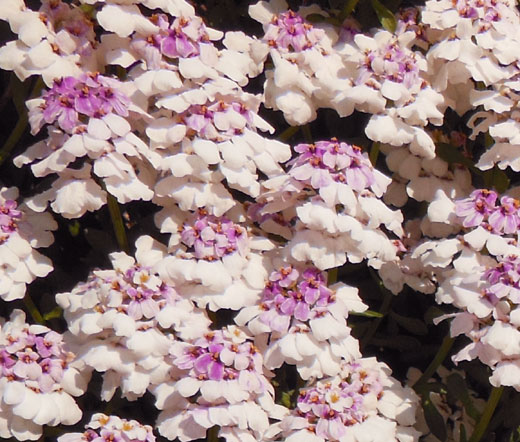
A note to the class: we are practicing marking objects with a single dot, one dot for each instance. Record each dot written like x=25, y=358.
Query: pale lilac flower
x=51, y=42
x=38, y=379
x=390, y=81
x=214, y=259
x=90, y=117
x=307, y=71
x=111, y=428
x=485, y=288
x=420, y=178
x=331, y=196
x=327, y=162
x=185, y=37
x=70, y=99
x=480, y=209
x=211, y=135
x=363, y=402
x=477, y=208
x=222, y=376
x=212, y=238
x=297, y=300
x=288, y=31
x=505, y=218
x=119, y=320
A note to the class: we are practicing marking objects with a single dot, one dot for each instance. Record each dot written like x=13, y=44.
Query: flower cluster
x=38, y=378
x=103, y=427
x=220, y=381
x=70, y=99
x=331, y=188
x=289, y=32
x=120, y=317
x=480, y=210
x=303, y=322
x=212, y=238
x=360, y=404
x=22, y=230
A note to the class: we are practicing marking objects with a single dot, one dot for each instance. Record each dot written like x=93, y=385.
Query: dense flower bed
x=277, y=188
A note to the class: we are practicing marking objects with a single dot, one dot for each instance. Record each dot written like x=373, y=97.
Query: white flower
x=73, y=194
x=362, y=403
x=22, y=231
x=39, y=377
x=118, y=318
x=222, y=375
x=102, y=425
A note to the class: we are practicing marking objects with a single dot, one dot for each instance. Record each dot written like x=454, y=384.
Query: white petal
x=207, y=150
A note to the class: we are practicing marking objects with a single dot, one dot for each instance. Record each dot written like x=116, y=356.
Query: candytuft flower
x=38, y=379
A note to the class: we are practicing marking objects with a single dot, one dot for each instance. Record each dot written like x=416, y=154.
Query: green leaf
x=374, y=153
x=286, y=398
x=496, y=178
x=452, y=155
x=318, y=18
x=413, y=325
x=515, y=435
x=385, y=16
x=367, y=314
x=426, y=388
x=315, y=18
x=349, y=7
x=434, y=420
x=463, y=435
x=457, y=388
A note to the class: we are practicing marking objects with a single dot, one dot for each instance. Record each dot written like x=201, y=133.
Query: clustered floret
x=38, y=377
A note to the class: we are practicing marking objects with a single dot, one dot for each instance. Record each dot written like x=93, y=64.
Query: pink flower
x=289, y=32
x=327, y=162
x=477, y=208
x=505, y=218
x=212, y=237
x=71, y=99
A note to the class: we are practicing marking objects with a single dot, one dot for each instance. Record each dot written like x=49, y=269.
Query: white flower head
x=222, y=376
x=113, y=427
x=296, y=301
x=22, y=231
x=363, y=402
x=218, y=263
x=120, y=319
x=38, y=381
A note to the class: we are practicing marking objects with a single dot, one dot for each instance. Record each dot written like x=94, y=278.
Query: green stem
x=332, y=276
x=443, y=351
x=13, y=139
x=33, y=310
x=213, y=434
x=21, y=125
x=117, y=222
x=374, y=153
x=288, y=133
x=483, y=423
x=307, y=132
x=385, y=308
